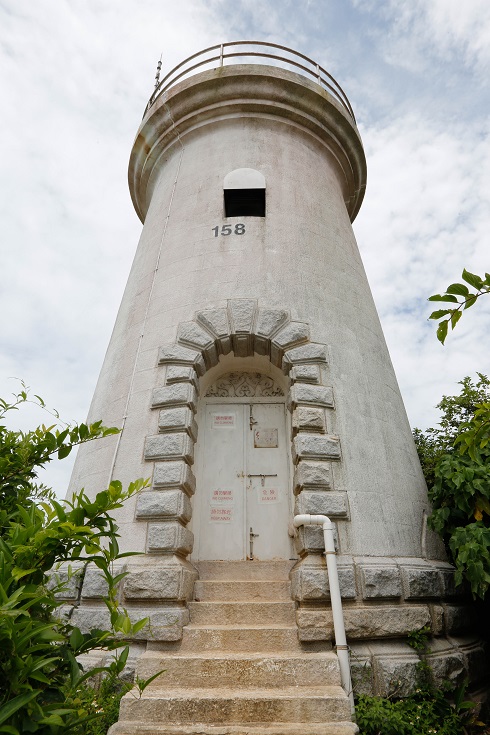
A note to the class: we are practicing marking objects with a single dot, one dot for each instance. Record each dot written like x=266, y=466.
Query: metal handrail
x=315, y=71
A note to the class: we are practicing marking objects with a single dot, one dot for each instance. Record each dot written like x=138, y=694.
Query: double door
x=244, y=483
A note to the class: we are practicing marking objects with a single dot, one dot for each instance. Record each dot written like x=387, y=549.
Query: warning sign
x=220, y=515
x=268, y=495
x=222, y=497
x=223, y=420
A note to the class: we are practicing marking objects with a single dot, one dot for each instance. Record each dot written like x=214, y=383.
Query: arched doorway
x=244, y=497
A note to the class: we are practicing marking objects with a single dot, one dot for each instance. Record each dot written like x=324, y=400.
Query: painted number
x=228, y=230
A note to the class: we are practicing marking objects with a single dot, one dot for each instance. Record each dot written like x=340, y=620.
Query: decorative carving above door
x=244, y=385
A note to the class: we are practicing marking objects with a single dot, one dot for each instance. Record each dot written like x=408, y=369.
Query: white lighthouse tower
x=250, y=377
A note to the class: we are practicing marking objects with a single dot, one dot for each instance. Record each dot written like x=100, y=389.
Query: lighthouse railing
x=231, y=53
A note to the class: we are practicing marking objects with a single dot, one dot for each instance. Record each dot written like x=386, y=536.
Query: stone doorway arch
x=246, y=330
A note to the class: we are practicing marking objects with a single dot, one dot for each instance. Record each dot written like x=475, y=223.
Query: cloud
x=74, y=80
x=426, y=216
x=418, y=31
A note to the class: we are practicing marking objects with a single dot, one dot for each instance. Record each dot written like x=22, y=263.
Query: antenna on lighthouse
x=157, y=75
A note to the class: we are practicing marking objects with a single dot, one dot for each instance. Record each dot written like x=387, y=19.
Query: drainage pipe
x=335, y=599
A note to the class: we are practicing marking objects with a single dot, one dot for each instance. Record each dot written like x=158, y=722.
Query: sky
x=75, y=76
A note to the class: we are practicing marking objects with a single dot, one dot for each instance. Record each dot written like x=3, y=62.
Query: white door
x=244, y=483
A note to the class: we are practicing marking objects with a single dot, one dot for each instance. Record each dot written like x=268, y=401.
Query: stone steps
x=242, y=590
x=250, y=728
x=246, y=613
x=237, y=705
x=238, y=570
x=247, y=670
x=240, y=668
x=239, y=638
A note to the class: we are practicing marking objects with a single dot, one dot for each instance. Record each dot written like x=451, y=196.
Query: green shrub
x=41, y=681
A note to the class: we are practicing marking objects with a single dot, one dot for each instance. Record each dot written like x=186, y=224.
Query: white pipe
x=335, y=599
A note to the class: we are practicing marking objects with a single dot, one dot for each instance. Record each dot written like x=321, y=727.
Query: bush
x=41, y=681
x=455, y=459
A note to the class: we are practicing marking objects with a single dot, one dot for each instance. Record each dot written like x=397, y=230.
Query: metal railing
x=229, y=53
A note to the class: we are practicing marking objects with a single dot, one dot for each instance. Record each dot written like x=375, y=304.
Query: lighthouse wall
x=302, y=257
x=198, y=304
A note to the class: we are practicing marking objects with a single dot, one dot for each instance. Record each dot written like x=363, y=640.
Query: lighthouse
x=252, y=383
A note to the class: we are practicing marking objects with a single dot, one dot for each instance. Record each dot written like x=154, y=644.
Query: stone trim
x=245, y=328
x=404, y=593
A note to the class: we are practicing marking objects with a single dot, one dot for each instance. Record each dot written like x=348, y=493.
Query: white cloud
x=74, y=80
x=426, y=216
x=419, y=30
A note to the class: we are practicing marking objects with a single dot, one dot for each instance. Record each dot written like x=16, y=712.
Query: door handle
x=252, y=536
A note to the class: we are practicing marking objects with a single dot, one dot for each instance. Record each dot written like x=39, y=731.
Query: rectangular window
x=244, y=202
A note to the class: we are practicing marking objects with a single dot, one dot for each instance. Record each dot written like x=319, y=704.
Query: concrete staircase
x=239, y=669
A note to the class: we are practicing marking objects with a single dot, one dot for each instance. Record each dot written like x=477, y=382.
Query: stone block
x=385, y=622
x=92, y=618
x=361, y=669
x=321, y=502
x=243, y=345
x=305, y=374
x=216, y=322
x=309, y=581
x=174, y=474
x=269, y=321
x=164, y=504
x=311, y=352
x=380, y=581
x=459, y=619
x=94, y=583
x=476, y=663
x=241, y=315
x=312, y=446
x=164, y=624
x=63, y=613
x=314, y=624
x=309, y=540
x=181, y=374
x=179, y=355
x=172, y=579
x=448, y=584
x=177, y=394
x=169, y=537
x=309, y=474
x=447, y=666
x=437, y=619
x=316, y=395
x=306, y=418
x=291, y=335
x=67, y=583
x=178, y=419
x=420, y=582
x=193, y=335
x=170, y=447
x=396, y=675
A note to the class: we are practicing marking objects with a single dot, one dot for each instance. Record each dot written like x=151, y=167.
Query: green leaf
x=442, y=331
x=443, y=297
x=64, y=451
x=15, y=704
x=470, y=301
x=455, y=317
x=83, y=431
x=440, y=313
x=458, y=288
x=472, y=279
